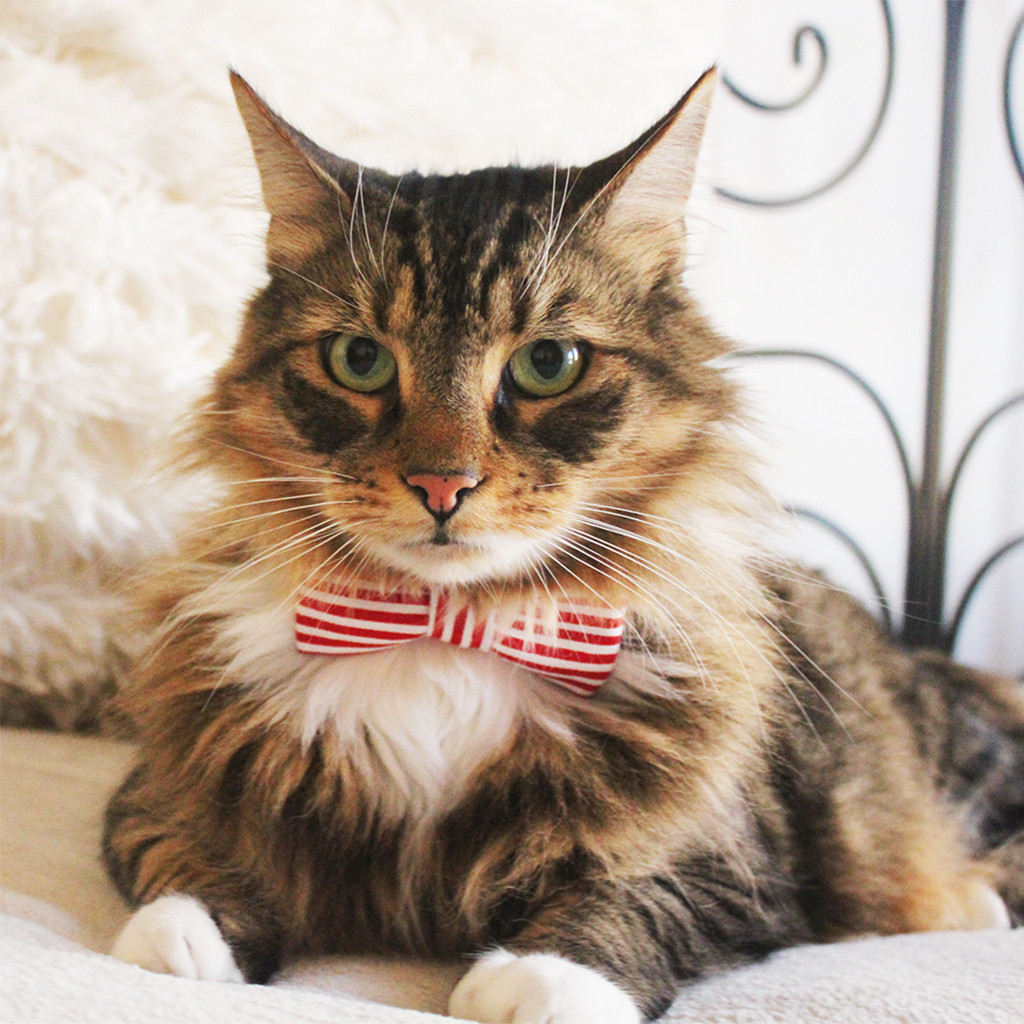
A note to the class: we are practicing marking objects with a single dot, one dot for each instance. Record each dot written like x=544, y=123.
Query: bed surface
x=59, y=914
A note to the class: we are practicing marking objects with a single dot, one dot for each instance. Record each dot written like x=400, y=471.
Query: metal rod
x=926, y=556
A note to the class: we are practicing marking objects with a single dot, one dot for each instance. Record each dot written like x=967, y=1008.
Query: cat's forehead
x=466, y=248
x=448, y=249
x=469, y=201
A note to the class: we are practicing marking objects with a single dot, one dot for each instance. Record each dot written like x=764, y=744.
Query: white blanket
x=59, y=913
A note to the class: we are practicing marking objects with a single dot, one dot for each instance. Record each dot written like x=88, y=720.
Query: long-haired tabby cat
x=481, y=653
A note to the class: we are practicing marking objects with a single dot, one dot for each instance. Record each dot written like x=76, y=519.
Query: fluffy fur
x=130, y=240
x=763, y=769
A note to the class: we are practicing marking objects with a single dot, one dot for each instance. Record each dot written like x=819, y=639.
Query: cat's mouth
x=444, y=560
x=442, y=538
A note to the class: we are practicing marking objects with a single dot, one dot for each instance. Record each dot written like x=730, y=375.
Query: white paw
x=502, y=988
x=983, y=907
x=176, y=935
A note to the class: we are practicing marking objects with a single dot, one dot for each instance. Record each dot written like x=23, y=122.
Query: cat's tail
x=978, y=751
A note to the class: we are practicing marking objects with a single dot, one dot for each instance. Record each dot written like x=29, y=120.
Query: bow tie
x=575, y=647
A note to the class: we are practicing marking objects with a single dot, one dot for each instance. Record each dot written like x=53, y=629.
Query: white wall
x=848, y=274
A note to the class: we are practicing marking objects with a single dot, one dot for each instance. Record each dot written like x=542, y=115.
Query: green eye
x=547, y=367
x=358, y=363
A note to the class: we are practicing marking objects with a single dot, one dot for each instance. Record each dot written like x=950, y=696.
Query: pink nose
x=441, y=492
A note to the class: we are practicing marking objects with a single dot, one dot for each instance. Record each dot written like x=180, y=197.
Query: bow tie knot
x=574, y=644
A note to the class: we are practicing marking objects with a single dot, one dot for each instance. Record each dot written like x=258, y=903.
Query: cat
x=484, y=652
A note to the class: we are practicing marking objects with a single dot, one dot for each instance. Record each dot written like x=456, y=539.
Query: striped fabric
x=576, y=648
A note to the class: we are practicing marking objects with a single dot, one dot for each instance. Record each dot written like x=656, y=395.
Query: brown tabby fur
x=791, y=776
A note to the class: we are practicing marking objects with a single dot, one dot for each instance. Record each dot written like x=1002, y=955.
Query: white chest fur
x=417, y=722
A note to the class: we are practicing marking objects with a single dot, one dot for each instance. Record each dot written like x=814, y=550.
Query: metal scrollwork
x=833, y=528
x=941, y=635
x=953, y=629
x=930, y=493
x=1008, y=72
x=859, y=382
x=859, y=554
x=809, y=32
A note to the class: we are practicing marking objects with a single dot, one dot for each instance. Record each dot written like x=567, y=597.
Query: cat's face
x=471, y=379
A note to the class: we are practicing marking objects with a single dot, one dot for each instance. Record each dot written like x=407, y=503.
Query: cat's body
x=493, y=387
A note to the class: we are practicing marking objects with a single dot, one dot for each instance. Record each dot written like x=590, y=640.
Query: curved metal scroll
x=810, y=32
x=806, y=32
x=965, y=600
x=953, y=629
x=882, y=599
x=884, y=607
x=851, y=375
x=1008, y=70
x=945, y=635
x=972, y=441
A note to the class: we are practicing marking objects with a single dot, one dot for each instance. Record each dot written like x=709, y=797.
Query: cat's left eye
x=358, y=363
x=547, y=367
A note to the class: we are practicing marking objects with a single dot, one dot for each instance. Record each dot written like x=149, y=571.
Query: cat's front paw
x=176, y=935
x=502, y=988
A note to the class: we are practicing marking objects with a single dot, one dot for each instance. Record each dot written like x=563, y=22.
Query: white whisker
x=730, y=591
x=634, y=585
x=326, y=473
x=310, y=282
x=266, y=516
x=387, y=222
x=354, y=205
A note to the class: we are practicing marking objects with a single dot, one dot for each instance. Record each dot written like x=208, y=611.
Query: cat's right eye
x=358, y=363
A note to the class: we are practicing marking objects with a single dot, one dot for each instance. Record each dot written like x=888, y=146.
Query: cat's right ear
x=297, y=177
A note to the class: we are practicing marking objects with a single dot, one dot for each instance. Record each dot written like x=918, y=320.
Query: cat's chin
x=459, y=564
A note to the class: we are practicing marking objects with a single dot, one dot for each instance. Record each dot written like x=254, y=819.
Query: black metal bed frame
x=930, y=496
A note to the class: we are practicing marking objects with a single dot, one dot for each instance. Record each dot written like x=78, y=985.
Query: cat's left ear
x=645, y=187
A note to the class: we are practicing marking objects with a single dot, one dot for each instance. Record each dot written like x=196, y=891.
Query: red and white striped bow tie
x=575, y=648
